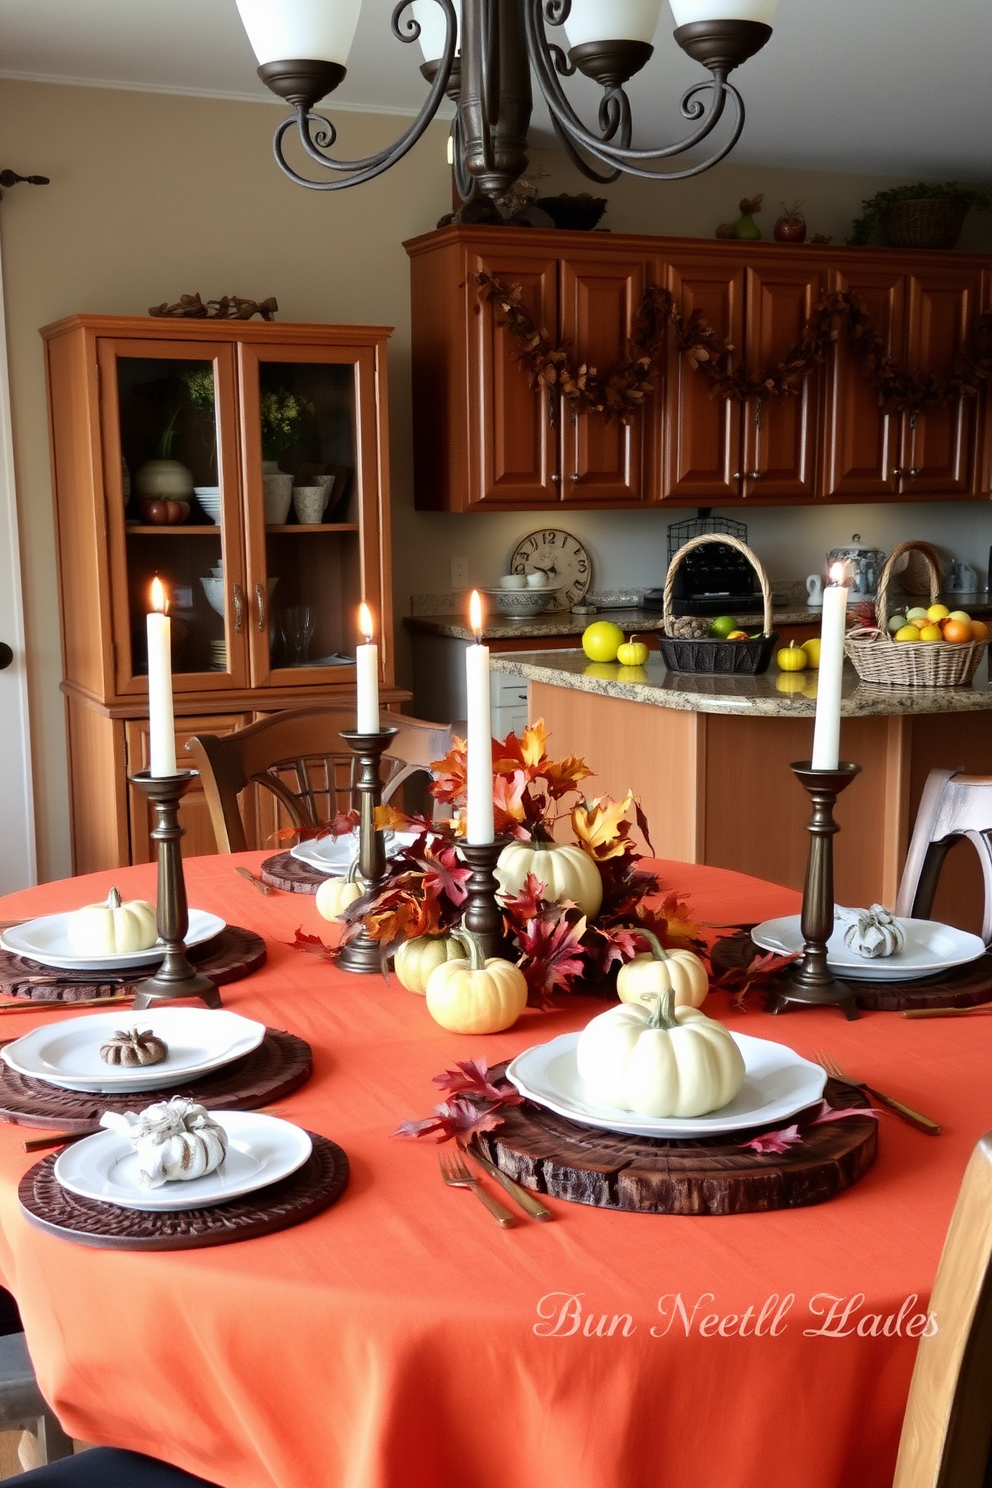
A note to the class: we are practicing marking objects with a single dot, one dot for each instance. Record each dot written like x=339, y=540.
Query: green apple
x=602, y=640
x=722, y=626
x=916, y=614
x=896, y=622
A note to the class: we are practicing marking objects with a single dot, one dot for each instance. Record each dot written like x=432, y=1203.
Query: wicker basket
x=878, y=658
x=745, y=657
x=931, y=222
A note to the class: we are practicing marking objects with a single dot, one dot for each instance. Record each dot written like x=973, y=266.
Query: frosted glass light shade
x=612, y=20
x=317, y=30
x=431, y=20
x=687, y=11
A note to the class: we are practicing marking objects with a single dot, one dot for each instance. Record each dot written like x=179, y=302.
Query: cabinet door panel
x=195, y=818
x=939, y=444
x=514, y=460
x=602, y=462
x=861, y=441
x=780, y=434
x=702, y=433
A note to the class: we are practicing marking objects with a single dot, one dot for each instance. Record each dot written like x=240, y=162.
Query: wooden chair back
x=952, y=806
x=300, y=757
x=947, y=1429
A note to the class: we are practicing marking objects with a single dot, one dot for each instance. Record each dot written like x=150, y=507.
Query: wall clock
x=562, y=557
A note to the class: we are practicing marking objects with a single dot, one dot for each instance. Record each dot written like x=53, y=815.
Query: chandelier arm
x=579, y=163
x=369, y=166
x=624, y=157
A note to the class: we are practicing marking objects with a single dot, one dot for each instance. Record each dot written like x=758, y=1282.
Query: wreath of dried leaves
x=228, y=307
x=618, y=393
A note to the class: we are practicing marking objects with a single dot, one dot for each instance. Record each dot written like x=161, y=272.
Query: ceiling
x=895, y=87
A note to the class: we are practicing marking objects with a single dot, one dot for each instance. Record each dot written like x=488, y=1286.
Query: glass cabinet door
x=171, y=480
x=306, y=568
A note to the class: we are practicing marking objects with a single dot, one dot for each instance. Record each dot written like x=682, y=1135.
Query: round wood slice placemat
x=964, y=986
x=227, y=957
x=321, y=1180
x=283, y=871
x=281, y=1063
x=710, y=1175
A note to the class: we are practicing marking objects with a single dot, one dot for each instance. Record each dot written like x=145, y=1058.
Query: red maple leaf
x=446, y=875
x=311, y=943
x=776, y=1141
x=552, y=954
x=528, y=902
x=470, y=1077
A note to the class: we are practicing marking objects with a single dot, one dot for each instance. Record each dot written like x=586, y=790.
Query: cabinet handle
x=898, y=471
x=747, y=474
x=914, y=472
x=239, y=609
x=556, y=480
x=260, y=602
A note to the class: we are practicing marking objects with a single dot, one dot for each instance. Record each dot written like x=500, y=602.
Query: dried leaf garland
x=619, y=394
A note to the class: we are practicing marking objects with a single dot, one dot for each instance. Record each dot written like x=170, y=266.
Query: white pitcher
x=814, y=591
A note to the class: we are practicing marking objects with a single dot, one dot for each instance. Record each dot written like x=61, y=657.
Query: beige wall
x=153, y=195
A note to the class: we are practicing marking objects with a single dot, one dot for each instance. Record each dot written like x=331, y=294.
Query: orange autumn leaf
x=564, y=775
x=388, y=819
x=600, y=826
x=508, y=793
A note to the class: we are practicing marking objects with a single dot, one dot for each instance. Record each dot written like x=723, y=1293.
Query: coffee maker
x=712, y=580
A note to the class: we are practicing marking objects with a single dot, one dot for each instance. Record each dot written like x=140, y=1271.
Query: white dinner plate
x=46, y=940
x=930, y=948
x=260, y=1151
x=334, y=855
x=777, y=1084
x=67, y=1053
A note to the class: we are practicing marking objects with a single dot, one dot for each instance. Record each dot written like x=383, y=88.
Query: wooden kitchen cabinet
x=263, y=607
x=484, y=439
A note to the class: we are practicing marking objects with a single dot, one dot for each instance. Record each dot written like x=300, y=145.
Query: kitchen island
x=708, y=757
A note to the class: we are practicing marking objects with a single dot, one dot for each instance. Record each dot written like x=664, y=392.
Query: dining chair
x=299, y=756
x=22, y=1405
x=953, y=805
x=947, y=1428
x=111, y=1467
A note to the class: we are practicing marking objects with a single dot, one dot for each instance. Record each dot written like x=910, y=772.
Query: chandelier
x=481, y=54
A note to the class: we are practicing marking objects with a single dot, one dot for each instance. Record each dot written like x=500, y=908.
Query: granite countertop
x=630, y=620
x=755, y=697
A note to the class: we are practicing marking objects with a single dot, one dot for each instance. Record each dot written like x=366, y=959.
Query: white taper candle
x=161, y=725
x=826, y=730
x=480, y=747
x=367, y=675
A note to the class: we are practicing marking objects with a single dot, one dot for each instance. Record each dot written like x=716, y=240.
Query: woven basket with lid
x=748, y=658
x=878, y=658
x=927, y=222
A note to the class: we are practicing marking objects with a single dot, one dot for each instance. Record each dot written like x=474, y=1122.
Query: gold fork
x=454, y=1170
x=915, y=1118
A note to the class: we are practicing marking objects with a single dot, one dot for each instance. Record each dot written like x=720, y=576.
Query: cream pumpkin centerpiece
x=112, y=928
x=567, y=873
x=335, y=894
x=475, y=995
x=657, y=970
x=659, y=1060
x=416, y=959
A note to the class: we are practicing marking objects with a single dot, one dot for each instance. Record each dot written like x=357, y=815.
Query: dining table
x=402, y=1339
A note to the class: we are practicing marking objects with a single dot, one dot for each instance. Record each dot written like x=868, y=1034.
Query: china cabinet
x=179, y=449
x=485, y=439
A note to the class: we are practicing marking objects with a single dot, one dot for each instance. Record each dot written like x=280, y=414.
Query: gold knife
x=965, y=1012
x=256, y=883
x=523, y=1196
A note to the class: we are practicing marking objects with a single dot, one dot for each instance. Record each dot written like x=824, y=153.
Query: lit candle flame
x=837, y=573
x=365, y=624
x=475, y=616
x=160, y=600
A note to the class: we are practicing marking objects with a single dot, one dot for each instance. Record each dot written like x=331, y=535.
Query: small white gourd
x=335, y=894
x=176, y=1140
x=875, y=933
x=113, y=927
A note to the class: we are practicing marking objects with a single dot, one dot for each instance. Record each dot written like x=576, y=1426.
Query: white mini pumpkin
x=657, y=970
x=476, y=995
x=416, y=959
x=176, y=1140
x=113, y=927
x=335, y=894
x=659, y=1060
x=567, y=873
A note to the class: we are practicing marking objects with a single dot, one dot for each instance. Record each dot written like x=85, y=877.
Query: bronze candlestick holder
x=483, y=916
x=175, y=978
x=810, y=983
x=362, y=953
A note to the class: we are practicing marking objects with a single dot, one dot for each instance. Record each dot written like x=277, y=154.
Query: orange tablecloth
x=396, y=1340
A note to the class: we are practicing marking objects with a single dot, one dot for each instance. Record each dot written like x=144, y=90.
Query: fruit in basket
x=721, y=627
x=659, y=1060
x=792, y=658
x=959, y=615
x=812, y=649
x=915, y=614
x=938, y=612
x=896, y=622
x=602, y=640
x=476, y=995
x=633, y=653
x=908, y=633
x=957, y=631
x=738, y=635
x=931, y=633
x=979, y=630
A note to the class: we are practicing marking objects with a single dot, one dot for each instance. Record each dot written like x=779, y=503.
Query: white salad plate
x=67, y=1053
x=777, y=1084
x=930, y=948
x=260, y=1151
x=46, y=940
x=334, y=855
